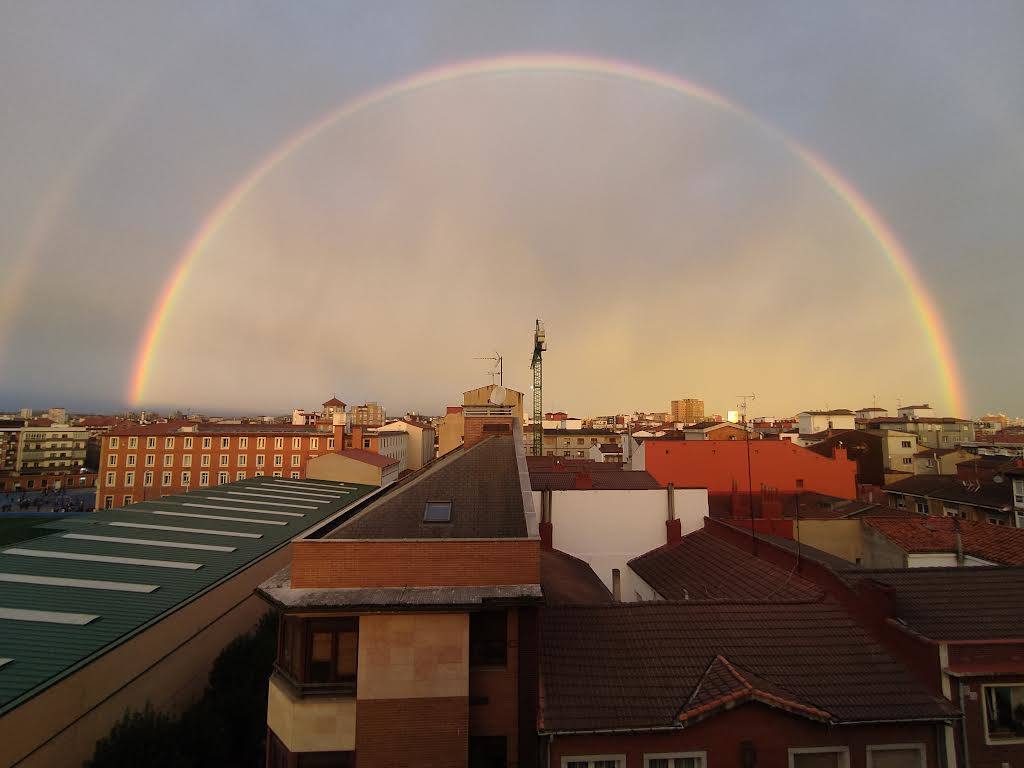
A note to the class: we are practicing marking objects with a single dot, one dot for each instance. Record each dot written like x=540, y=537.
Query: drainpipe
x=959, y=550
x=963, y=726
x=671, y=502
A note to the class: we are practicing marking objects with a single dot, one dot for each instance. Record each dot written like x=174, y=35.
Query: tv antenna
x=497, y=370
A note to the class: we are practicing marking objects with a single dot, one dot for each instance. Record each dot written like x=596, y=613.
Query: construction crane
x=537, y=365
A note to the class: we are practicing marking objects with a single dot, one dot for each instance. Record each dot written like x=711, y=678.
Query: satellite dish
x=498, y=395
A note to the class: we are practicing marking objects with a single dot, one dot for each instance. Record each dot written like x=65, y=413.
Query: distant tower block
x=688, y=411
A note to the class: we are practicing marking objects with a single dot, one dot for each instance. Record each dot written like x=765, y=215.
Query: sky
x=347, y=234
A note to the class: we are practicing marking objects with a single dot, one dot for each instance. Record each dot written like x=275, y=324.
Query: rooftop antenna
x=497, y=362
x=750, y=474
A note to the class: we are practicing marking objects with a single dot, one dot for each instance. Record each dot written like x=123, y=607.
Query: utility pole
x=742, y=405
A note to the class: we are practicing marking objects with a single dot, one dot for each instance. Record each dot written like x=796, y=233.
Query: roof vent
x=437, y=512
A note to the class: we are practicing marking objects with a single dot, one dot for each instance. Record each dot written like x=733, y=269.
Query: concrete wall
x=609, y=528
x=880, y=551
x=166, y=666
x=413, y=655
x=449, y=432
x=333, y=466
x=313, y=723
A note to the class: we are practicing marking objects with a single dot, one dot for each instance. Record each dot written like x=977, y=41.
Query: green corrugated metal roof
x=43, y=653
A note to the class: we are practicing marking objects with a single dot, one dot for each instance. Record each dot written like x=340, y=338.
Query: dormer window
x=437, y=512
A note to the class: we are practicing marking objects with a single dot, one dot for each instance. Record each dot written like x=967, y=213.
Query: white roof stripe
x=217, y=517
x=334, y=493
x=209, y=531
x=149, y=542
x=48, y=617
x=299, y=495
x=5, y=661
x=244, y=509
x=325, y=484
x=257, y=501
x=54, y=581
x=50, y=554
x=287, y=496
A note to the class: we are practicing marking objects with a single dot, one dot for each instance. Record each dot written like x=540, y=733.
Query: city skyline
x=735, y=199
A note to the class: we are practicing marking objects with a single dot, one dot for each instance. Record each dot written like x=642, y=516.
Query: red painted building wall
x=721, y=466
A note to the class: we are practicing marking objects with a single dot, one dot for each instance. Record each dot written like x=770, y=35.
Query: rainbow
x=873, y=223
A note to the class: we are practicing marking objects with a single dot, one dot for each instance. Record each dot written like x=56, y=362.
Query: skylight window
x=437, y=512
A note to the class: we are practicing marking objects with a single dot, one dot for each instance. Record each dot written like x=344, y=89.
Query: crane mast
x=537, y=365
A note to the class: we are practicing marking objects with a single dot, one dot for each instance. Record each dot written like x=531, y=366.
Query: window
x=366, y=442
x=204, y=460
x=186, y=461
x=314, y=443
x=296, y=460
x=594, y=761
x=905, y=443
x=108, y=501
x=257, y=473
x=111, y=478
x=129, y=478
x=169, y=443
x=112, y=460
x=239, y=475
x=241, y=460
x=279, y=442
x=168, y=459
x=113, y=442
x=260, y=460
x=147, y=479
x=296, y=443
x=225, y=442
x=278, y=474
x=819, y=757
x=1004, y=713
x=675, y=760
x=222, y=477
x=437, y=512
x=295, y=476
x=895, y=756
x=320, y=653
x=922, y=506
x=150, y=460
x=330, y=443
x=186, y=479
x=127, y=500
x=488, y=639
x=204, y=478
x=223, y=460
x=165, y=479
x=261, y=442
x=799, y=482
x=207, y=443
x=188, y=442
x=151, y=442
x=243, y=442
x=278, y=460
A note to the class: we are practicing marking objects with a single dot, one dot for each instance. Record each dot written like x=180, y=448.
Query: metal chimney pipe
x=616, y=585
x=671, y=501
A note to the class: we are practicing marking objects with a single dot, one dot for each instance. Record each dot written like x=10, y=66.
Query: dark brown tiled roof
x=567, y=580
x=333, y=401
x=981, y=603
x=946, y=488
x=704, y=567
x=368, y=457
x=637, y=665
x=482, y=482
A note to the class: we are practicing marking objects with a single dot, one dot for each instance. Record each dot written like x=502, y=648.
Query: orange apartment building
x=409, y=632
x=145, y=462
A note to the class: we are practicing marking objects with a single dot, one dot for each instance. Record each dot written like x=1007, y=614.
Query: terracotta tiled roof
x=611, y=480
x=610, y=448
x=481, y=482
x=998, y=544
x=702, y=566
x=639, y=665
x=977, y=604
x=567, y=580
x=334, y=401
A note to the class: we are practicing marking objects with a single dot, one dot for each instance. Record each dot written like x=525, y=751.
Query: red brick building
x=140, y=462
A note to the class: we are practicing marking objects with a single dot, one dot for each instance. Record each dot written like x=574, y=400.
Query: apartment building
x=367, y=415
x=144, y=462
x=812, y=422
x=688, y=411
x=394, y=444
x=420, y=443
x=573, y=443
x=410, y=623
x=931, y=432
x=46, y=447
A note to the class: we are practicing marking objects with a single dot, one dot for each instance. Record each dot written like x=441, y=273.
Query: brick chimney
x=673, y=527
x=483, y=421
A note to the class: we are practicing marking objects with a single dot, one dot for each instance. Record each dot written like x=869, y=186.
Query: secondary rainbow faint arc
x=923, y=304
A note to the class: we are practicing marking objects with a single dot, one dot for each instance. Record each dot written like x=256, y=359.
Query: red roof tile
x=368, y=457
x=998, y=544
